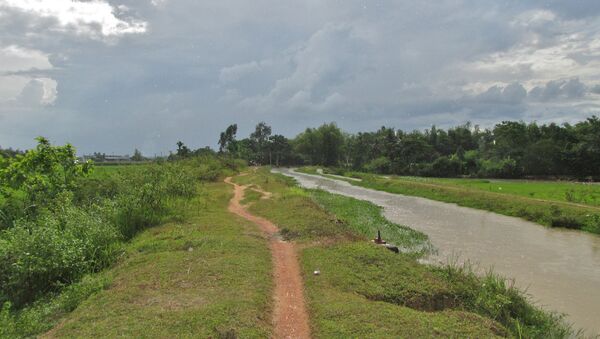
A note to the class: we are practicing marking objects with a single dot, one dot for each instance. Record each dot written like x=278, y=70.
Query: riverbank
x=548, y=212
x=366, y=290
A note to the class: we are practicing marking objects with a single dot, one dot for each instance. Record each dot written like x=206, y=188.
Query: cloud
x=15, y=58
x=148, y=73
x=38, y=92
x=91, y=18
x=16, y=66
x=511, y=94
x=559, y=89
x=329, y=58
x=236, y=72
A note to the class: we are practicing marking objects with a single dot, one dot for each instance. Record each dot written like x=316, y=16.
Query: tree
x=137, y=155
x=260, y=136
x=332, y=141
x=227, y=142
x=182, y=150
x=307, y=146
x=280, y=149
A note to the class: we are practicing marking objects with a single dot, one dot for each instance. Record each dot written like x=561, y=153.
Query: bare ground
x=290, y=318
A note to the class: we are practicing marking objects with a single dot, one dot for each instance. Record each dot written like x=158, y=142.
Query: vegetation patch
x=60, y=222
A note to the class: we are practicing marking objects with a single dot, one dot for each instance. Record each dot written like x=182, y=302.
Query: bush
x=57, y=225
x=42, y=256
x=381, y=165
x=444, y=167
x=505, y=168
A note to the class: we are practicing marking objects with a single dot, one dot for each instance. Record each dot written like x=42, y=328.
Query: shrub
x=381, y=165
x=444, y=167
x=42, y=256
x=504, y=168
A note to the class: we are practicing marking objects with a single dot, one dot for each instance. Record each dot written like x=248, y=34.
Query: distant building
x=117, y=158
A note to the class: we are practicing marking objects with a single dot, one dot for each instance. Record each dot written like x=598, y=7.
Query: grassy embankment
x=555, y=204
x=202, y=273
x=365, y=290
x=206, y=276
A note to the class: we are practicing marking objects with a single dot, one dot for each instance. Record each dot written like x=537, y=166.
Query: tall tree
x=260, y=136
x=227, y=142
x=280, y=149
x=332, y=141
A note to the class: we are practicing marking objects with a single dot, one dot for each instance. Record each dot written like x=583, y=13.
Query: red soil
x=290, y=318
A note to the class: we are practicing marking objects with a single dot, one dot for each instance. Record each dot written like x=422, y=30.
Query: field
x=546, y=203
x=572, y=192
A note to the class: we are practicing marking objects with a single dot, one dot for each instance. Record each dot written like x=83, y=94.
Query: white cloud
x=14, y=58
x=88, y=18
x=16, y=85
x=549, y=49
x=34, y=92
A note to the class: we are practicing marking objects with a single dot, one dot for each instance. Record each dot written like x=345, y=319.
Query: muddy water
x=560, y=269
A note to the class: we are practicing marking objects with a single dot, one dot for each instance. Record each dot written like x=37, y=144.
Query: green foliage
x=380, y=165
x=509, y=150
x=40, y=256
x=59, y=224
x=42, y=315
x=505, y=168
x=320, y=146
x=161, y=288
x=32, y=180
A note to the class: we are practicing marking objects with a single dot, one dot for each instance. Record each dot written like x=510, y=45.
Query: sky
x=114, y=75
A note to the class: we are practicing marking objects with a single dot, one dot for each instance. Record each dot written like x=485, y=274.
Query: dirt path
x=290, y=318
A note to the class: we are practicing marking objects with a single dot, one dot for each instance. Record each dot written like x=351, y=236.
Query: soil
x=290, y=318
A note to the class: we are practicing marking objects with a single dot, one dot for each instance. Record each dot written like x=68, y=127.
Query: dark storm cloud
x=154, y=72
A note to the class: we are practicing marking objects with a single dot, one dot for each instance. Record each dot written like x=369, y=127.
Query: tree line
x=511, y=149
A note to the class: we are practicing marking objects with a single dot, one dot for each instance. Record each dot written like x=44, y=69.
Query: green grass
x=365, y=290
x=208, y=276
x=572, y=192
x=466, y=192
x=365, y=219
x=250, y=196
x=101, y=172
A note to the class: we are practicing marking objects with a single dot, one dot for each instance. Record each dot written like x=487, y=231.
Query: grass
x=365, y=290
x=515, y=201
x=560, y=191
x=365, y=219
x=208, y=276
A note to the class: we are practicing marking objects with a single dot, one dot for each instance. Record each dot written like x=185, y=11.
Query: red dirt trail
x=290, y=318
